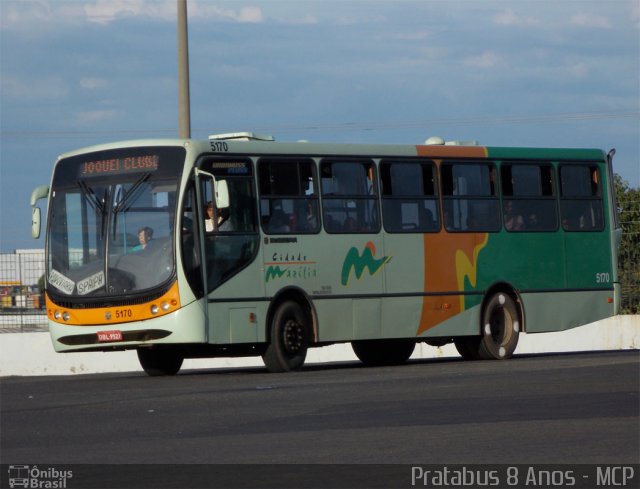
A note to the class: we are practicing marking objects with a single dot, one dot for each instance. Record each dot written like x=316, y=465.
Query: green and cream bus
x=239, y=245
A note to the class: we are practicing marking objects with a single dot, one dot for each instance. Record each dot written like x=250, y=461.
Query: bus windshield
x=111, y=222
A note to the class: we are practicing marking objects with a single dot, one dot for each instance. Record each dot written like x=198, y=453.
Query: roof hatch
x=241, y=136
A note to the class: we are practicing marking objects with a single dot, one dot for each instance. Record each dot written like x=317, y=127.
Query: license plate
x=107, y=336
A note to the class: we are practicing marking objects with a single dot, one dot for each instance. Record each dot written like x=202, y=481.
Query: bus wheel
x=160, y=361
x=383, y=352
x=500, y=328
x=289, y=339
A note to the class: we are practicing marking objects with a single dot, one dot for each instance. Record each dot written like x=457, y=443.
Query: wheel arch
x=299, y=296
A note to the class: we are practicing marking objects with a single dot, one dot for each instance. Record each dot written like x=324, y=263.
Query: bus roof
x=249, y=143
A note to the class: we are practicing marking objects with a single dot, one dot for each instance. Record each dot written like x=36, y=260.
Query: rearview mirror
x=221, y=194
x=35, y=222
x=38, y=193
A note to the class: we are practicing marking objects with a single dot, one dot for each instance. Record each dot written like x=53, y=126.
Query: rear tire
x=290, y=338
x=157, y=362
x=383, y=352
x=500, y=328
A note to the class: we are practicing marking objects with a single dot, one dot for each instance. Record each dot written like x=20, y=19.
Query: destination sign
x=231, y=168
x=119, y=166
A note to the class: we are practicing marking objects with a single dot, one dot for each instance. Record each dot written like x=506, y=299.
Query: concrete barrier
x=33, y=354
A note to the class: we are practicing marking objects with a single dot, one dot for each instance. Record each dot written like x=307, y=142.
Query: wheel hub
x=293, y=336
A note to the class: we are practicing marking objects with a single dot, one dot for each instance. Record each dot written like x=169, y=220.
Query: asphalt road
x=543, y=409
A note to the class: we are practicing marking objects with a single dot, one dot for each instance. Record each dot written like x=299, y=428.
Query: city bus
x=239, y=245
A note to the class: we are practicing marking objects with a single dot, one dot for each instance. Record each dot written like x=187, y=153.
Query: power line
x=351, y=126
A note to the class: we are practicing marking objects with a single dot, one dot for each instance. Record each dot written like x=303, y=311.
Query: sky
x=543, y=73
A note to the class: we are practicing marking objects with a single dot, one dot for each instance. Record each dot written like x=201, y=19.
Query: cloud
x=92, y=83
x=487, y=59
x=590, y=20
x=45, y=88
x=250, y=14
x=95, y=116
x=577, y=70
x=24, y=14
x=510, y=17
x=106, y=11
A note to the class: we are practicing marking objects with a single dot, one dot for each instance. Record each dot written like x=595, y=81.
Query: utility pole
x=184, y=103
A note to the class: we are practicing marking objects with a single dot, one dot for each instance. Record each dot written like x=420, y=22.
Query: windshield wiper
x=132, y=194
x=92, y=198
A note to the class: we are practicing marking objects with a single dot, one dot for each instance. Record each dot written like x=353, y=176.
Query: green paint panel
x=546, y=154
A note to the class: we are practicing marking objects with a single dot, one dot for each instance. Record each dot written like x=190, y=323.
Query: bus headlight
x=65, y=316
x=154, y=309
x=165, y=306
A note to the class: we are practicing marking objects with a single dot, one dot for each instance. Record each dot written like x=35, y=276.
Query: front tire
x=158, y=362
x=290, y=338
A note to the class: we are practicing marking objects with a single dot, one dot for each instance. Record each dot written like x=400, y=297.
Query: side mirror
x=222, y=194
x=35, y=222
x=219, y=189
x=38, y=193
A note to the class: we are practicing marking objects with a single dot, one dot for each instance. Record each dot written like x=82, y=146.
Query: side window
x=469, y=196
x=409, y=198
x=529, y=202
x=581, y=198
x=349, y=197
x=288, y=196
x=231, y=241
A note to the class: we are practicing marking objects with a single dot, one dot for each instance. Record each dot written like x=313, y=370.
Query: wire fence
x=22, y=306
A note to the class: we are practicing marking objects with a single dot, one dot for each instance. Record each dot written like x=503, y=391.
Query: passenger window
x=409, y=199
x=288, y=196
x=470, y=197
x=529, y=202
x=581, y=198
x=350, y=204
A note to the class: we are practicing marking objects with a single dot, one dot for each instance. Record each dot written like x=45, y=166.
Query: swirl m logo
x=357, y=262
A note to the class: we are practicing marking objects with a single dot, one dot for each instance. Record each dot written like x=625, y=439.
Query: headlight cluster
x=164, y=306
x=61, y=315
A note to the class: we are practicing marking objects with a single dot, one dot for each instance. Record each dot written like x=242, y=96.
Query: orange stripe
x=118, y=315
x=453, y=151
x=449, y=259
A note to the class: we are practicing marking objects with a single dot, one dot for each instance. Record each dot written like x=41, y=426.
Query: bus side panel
x=557, y=311
x=404, y=275
x=335, y=319
x=437, y=274
x=453, y=262
x=588, y=260
x=465, y=323
x=350, y=269
x=231, y=321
